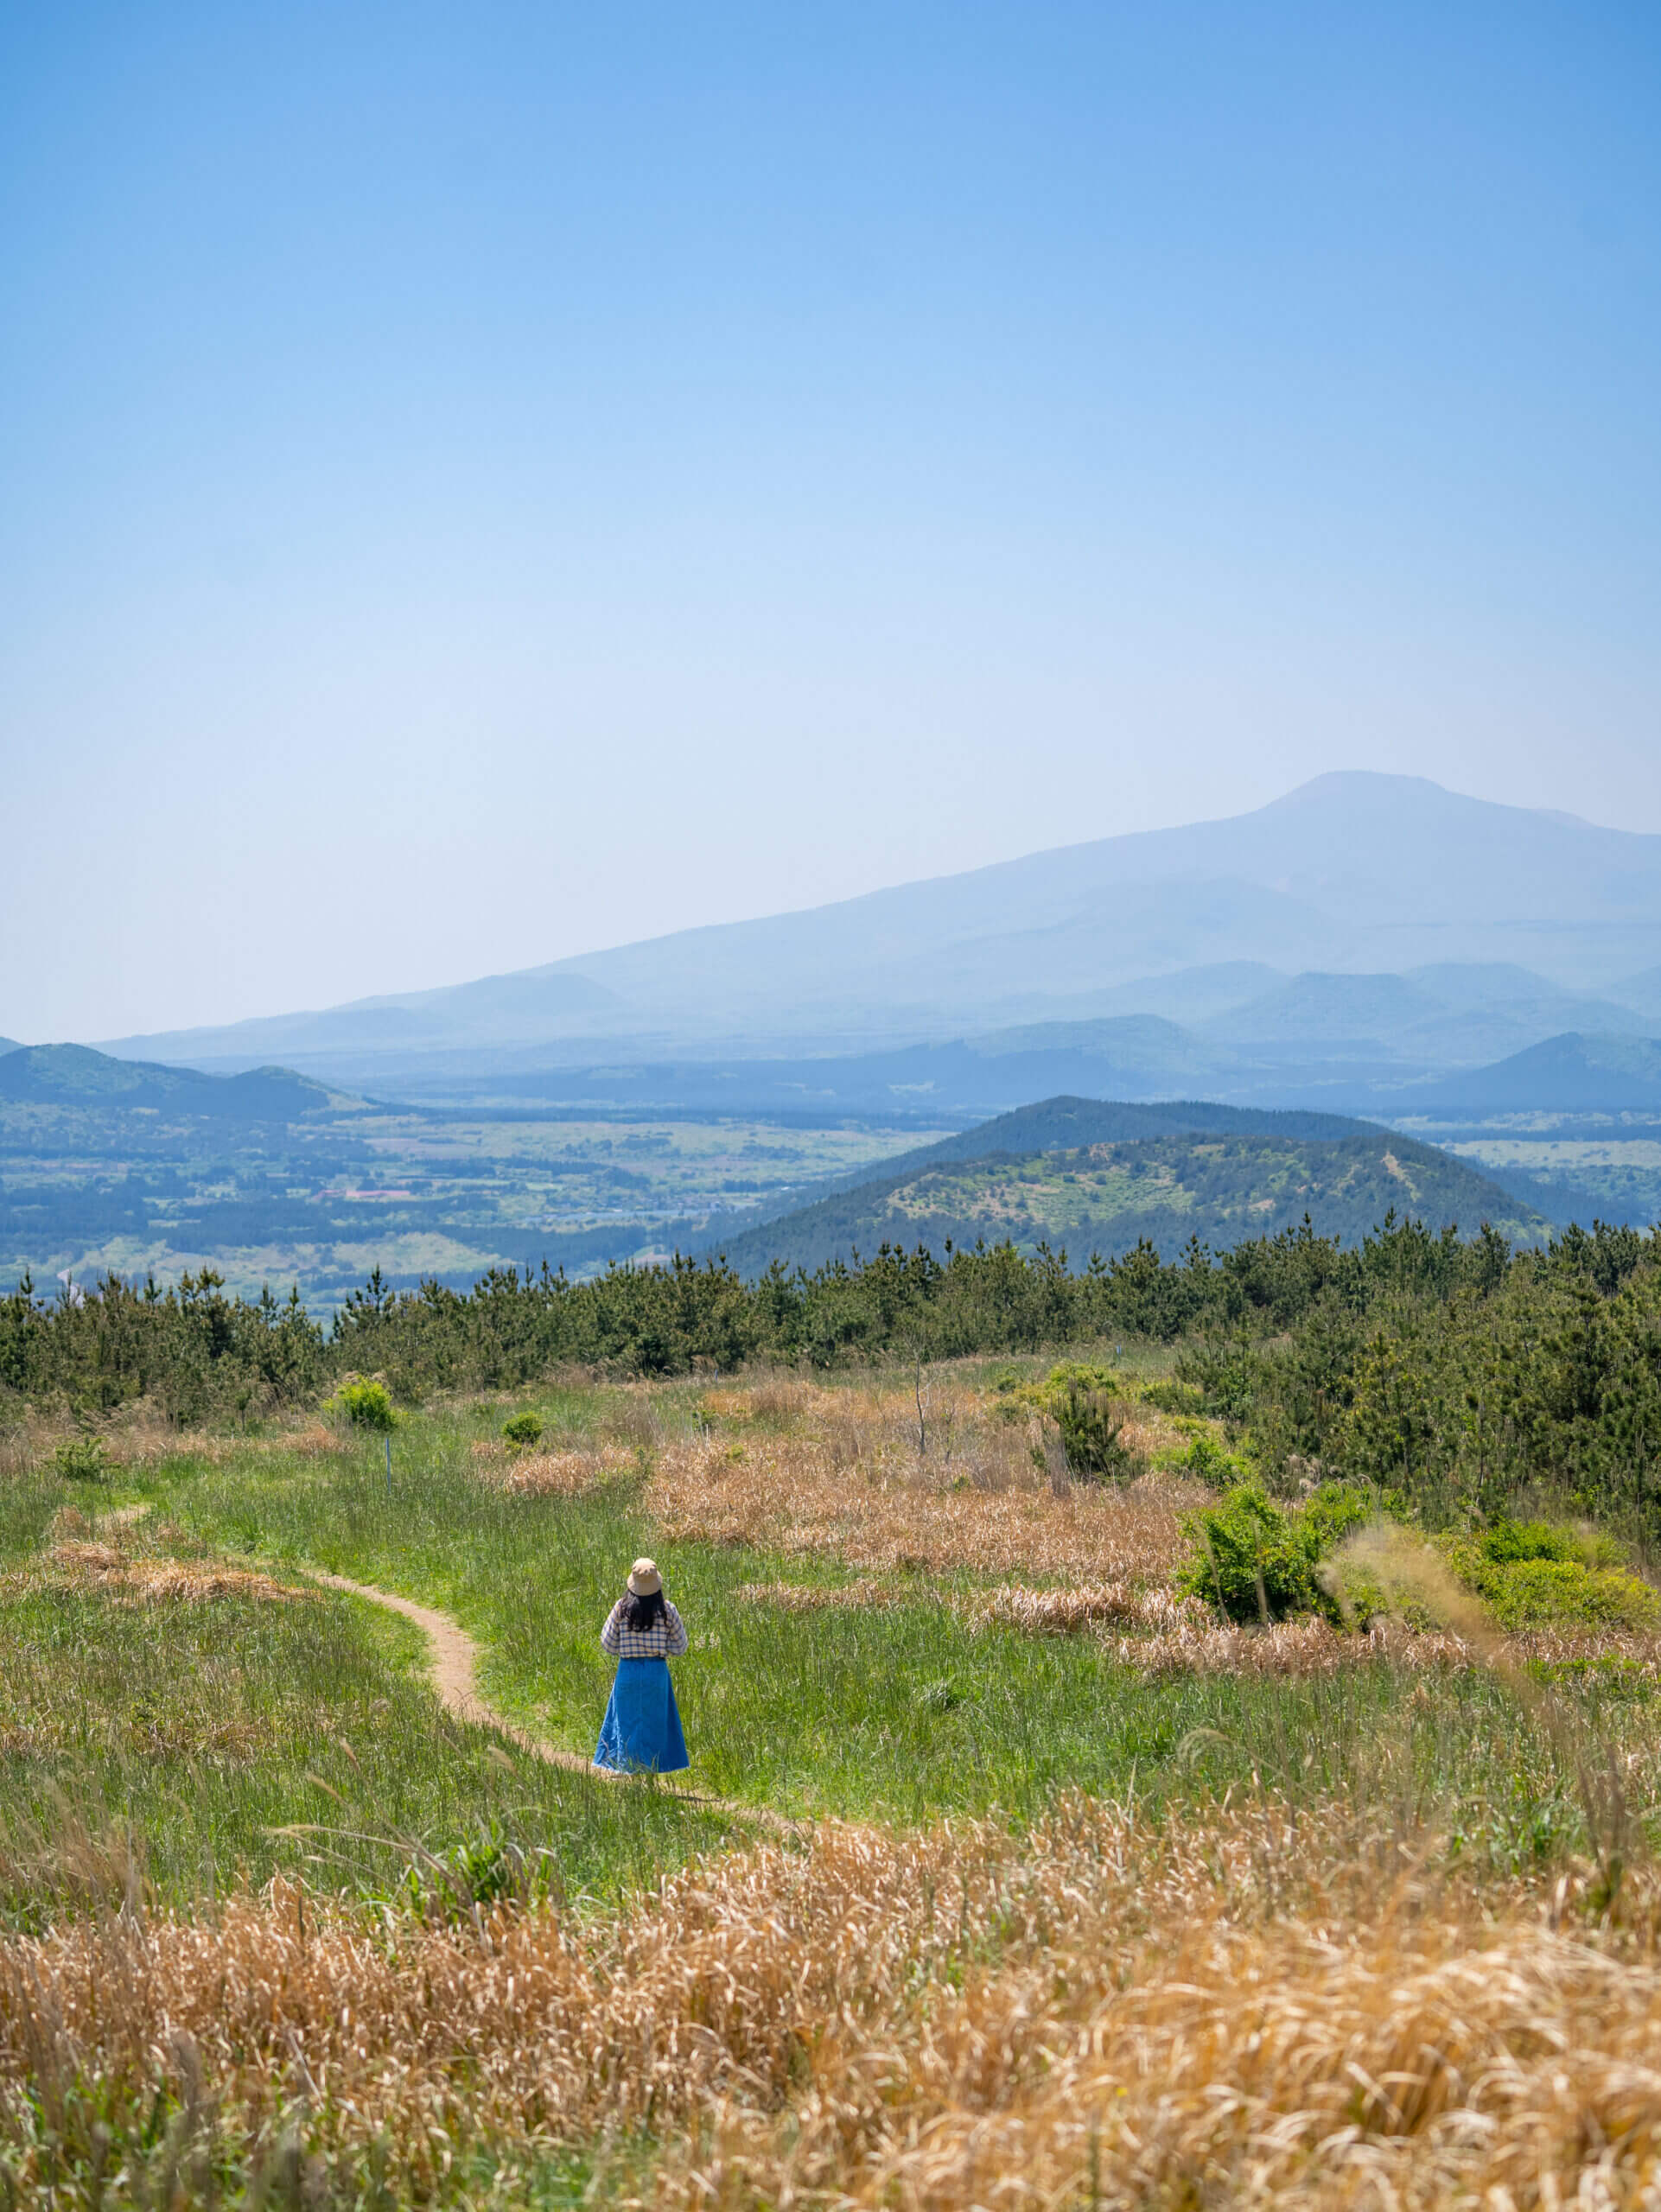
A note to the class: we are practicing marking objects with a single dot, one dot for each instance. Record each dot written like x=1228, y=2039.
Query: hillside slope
x=74, y=1074
x=1070, y=1172
x=1105, y=1197
x=1571, y=1074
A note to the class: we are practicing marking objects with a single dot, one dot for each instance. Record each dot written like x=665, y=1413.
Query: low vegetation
x=1460, y=1374
x=1040, y=1703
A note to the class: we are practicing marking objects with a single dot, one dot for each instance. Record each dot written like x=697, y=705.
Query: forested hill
x=1220, y=1185
x=1059, y=1124
x=76, y=1076
x=1062, y=1124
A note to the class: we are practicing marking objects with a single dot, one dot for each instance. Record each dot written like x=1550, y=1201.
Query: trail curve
x=454, y=1658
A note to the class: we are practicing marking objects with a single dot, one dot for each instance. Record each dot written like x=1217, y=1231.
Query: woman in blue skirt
x=641, y=1732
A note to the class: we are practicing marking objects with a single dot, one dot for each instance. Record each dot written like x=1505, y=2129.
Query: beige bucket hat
x=644, y=1579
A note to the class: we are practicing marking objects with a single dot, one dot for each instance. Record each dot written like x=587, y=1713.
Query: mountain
x=1089, y=1176
x=1360, y=873
x=1641, y=993
x=1448, y=1015
x=1322, y=1007
x=1364, y=1043
x=1570, y=1074
x=10, y=1044
x=74, y=1075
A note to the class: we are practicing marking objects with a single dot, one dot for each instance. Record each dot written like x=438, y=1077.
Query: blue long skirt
x=642, y=1731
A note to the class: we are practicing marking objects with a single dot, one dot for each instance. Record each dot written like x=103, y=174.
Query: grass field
x=281, y=1928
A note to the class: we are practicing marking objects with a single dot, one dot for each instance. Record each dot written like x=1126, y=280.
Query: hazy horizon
x=1352, y=874
x=485, y=488
x=942, y=875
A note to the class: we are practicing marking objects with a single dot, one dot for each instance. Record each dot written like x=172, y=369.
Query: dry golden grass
x=798, y=1494
x=151, y=1580
x=140, y=1436
x=1309, y=1648
x=552, y=1474
x=727, y=1405
x=104, y=1557
x=1068, y=1612
x=315, y=1442
x=1252, y=2009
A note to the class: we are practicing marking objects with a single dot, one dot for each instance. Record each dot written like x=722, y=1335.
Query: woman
x=641, y=1732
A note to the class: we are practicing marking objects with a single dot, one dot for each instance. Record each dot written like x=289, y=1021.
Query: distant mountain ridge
x=1353, y=872
x=1570, y=1074
x=74, y=1074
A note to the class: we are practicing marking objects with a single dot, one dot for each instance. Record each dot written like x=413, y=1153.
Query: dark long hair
x=640, y=1612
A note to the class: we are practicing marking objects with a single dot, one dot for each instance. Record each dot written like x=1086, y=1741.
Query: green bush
x=1086, y=1402
x=1502, y=1542
x=365, y=1405
x=1171, y=1397
x=1093, y=1436
x=1078, y=1375
x=81, y=1459
x=1249, y=1556
x=1530, y=1574
x=1564, y=1593
x=1211, y=1462
x=522, y=1433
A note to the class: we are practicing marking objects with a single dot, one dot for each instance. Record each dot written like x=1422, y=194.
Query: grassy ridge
x=1153, y=1842
x=902, y=1711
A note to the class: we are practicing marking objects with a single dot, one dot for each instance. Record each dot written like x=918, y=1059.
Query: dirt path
x=455, y=1679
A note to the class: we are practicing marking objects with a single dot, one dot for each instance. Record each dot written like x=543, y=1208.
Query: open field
x=321, y=1200
x=282, y=1929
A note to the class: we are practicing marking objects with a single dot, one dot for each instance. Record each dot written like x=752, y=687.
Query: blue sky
x=481, y=483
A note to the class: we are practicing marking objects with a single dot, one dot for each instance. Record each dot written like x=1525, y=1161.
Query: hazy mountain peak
x=1354, y=874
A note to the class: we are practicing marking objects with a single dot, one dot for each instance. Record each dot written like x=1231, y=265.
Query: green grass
x=900, y=1714
x=234, y=1738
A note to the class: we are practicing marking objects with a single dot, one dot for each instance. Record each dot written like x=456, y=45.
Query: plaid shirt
x=664, y=1639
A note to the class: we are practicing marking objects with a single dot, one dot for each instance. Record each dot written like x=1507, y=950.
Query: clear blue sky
x=485, y=481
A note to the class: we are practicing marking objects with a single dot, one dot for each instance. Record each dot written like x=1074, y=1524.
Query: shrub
x=1077, y=1375
x=1565, y=1594
x=1087, y=1403
x=1529, y=1574
x=1093, y=1427
x=522, y=1433
x=1171, y=1397
x=81, y=1459
x=1211, y=1462
x=365, y=1405
x=1249, y=1556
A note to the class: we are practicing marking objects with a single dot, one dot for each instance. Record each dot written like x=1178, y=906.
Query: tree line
x=1452, y=1371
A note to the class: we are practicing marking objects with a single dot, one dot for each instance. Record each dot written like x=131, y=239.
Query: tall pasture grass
x=1265, y=2005
x=1216, y=1915
x=797, y=1494
x=942, y=1700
